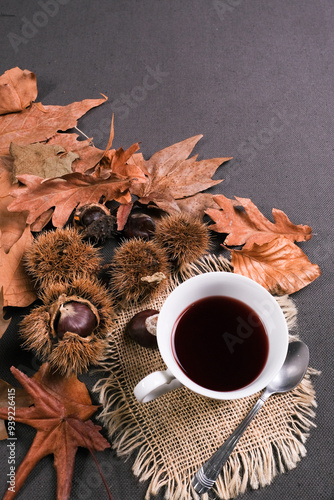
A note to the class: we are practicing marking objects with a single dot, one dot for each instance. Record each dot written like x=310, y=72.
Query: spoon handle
x=207, y=475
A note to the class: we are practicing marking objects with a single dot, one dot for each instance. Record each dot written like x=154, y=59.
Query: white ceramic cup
x=205, y=285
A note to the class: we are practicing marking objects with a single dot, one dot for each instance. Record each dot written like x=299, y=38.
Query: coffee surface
x=220, y=343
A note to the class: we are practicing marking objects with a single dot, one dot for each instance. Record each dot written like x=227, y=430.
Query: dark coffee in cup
x=220, y=343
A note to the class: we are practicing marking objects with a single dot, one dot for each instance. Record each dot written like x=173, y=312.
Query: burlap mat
x=174, y=435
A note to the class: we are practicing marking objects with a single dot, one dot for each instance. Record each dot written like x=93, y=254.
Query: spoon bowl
x=288, y=377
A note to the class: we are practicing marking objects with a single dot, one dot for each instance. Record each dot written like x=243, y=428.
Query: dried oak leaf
x=18, y=395
x=251, y=226
x=279, y=265
x=18, y=89
x=12, y=224
x=18, y=290
x=38, y=123
x=61, y=412
x=171, y=175
x=43, y=160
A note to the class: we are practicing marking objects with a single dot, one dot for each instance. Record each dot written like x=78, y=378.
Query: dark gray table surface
x=256, y=79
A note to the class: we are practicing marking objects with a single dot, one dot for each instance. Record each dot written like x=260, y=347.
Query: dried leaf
x=251, y=226
x=12, y=224
x=17, y=288
x=18, y=89
x=18, y=395
x=61, y=412
x=171, y=175
x=4, y=323
x=65, y=194
x=43, y=160
x=39, y=122
x=279, y=265
x=88, y=155
x=197, y=205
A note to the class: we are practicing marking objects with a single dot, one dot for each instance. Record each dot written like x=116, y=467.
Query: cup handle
x=154, y=385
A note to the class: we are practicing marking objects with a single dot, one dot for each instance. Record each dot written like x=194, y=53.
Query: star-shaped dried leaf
x=18, y=89
x=250, y=226
x=61, y=412
x=64, y=194
x=17, y=288
x=12, y=224
x=171, y=175
x=12, y=396
x=38, y=123
x=279, y=265
x=43, y=160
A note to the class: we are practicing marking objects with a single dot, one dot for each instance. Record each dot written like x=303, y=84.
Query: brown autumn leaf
x=64, y=194
x=43, y=160
x=250, y=226
x=198, y=204
x=61, y=415
x=18, y=290
x=12, y=224
x=38, y=123
x=12, y=396
x=88, y=155
x=279, y=265
x=18, y=89
x=171, y=175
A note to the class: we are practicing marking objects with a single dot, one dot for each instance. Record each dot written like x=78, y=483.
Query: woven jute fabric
x=172, y=436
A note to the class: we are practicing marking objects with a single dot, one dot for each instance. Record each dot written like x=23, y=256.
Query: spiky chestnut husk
x=73, y=353
x=139, y=270
x=95, y=222
x=54, y=255
x=184, y=237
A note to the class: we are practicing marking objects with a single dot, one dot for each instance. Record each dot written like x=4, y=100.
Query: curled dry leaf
x=88, y=155
x=43, y=160
x=279, y=265
x=38, y=122
x=60, y=414
x=18, y=290
x=18, y=89
x=171, y=175
x=250, y=226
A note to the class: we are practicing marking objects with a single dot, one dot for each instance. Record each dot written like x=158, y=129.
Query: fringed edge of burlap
x=254, y=468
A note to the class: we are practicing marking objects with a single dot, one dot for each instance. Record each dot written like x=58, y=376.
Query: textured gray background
x=256, y=79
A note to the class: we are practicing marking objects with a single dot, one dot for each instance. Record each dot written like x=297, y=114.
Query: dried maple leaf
x=61, y=412
x=17, y=288
x=12, y=396
x=171, y=175
x=64, y=194
x=43, y=160
x=250, y=226
x=18, y=89
x=38, y=122
x=279, y=265
x=198, y=204
x=12, y=225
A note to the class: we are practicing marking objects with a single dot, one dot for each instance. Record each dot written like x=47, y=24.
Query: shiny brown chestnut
x=75, y=317
x=142, y=328
x=139, y=225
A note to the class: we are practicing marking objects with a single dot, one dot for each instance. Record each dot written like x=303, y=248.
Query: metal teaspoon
x=289, y=376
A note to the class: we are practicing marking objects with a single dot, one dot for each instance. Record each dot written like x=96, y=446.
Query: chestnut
x=139, y=225
x=142, y=328
x=95, y=222
x=75, y=317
